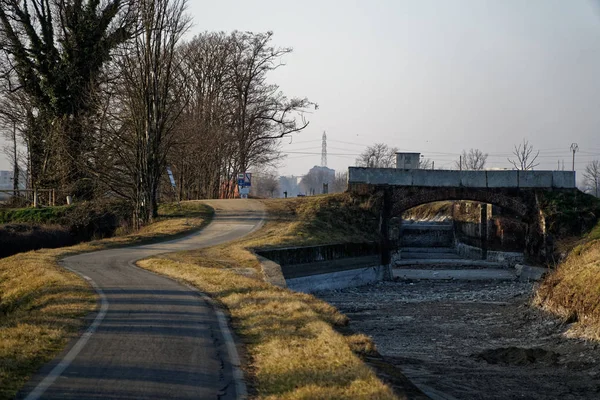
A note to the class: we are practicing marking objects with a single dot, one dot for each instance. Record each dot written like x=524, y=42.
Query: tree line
x=103, y=95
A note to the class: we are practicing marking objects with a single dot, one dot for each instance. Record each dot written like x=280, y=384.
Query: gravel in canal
x=472, y=340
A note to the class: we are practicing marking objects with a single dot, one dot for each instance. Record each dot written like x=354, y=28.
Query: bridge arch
x=519, y=203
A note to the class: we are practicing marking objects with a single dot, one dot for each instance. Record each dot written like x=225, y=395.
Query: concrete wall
x=426, y=235
x=313, y=268
x=474, y=179
x=311, y=254
x=338, y=279
x=503, y=257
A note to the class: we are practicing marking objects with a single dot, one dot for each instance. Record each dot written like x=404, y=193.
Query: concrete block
x=563, y=179
x=380, y=176
x=474, y=179
x=435, y=178
x=357, y=175
x=502, y=179
x=400, y=177
x=535, y=179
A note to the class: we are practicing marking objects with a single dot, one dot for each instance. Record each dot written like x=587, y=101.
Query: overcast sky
x=432, y=76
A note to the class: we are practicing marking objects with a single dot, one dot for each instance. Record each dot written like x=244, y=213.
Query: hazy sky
x=431, y=76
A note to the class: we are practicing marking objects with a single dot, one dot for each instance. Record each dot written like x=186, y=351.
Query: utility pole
x=574, y=149
x=460, y=162
x=16, y=171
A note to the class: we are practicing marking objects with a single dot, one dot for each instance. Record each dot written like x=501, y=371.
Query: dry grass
x=429, y=211
x=42, y=304
x=572, y=291
x=296, y=352
x=300, y=221
x=291, y=338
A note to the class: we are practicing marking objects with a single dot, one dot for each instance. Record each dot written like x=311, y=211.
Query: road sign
x=244, y=180
x=170, y=173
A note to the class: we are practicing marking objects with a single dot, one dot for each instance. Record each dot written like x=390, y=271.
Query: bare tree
x=472, y=160
x=265, y=184
x=340, y=183
x=234, y=116
x=143, y=105
x=259, y=112
x=525, y=158
x=312, y=182
x=379, y=155
x=591, y=177
x=425, y=163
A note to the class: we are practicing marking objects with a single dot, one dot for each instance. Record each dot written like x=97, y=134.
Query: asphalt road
x=152, y=338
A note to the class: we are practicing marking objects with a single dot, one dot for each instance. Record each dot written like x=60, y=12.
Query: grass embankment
x=572, y=290
x=291, y=340
x=42, y=304
x=300, y=221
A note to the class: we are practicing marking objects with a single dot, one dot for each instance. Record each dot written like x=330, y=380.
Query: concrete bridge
x=518, y=191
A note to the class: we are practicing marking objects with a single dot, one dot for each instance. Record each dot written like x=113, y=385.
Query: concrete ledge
x=454, y=274
x=469, y=179
x=325, y=267
x=271, y=271
x=338, y=280
x=447, y=262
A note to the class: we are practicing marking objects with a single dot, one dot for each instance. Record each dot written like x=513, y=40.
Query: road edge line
x=57, y=371
x=232, y=353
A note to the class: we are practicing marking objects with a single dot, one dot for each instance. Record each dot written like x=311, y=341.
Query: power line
x=324, y=151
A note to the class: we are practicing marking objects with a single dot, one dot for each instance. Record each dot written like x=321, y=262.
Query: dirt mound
x=518, y=356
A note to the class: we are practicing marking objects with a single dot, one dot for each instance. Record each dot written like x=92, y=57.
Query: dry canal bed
x=472, y=340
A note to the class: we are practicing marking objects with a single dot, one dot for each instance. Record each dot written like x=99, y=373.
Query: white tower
x=324, y=151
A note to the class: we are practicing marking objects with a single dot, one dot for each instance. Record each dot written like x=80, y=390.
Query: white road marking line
x=234, y=358
x=57, y=371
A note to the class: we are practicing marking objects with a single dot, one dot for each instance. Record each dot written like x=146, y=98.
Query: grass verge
x=42, y=304
x=572, y=291
x=295, y=350
x=292, y=339
x=301, y=221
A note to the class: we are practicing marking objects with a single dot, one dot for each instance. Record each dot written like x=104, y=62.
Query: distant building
x=312, y=183
x=290, y=185
x=408, y=160
x=6, y=180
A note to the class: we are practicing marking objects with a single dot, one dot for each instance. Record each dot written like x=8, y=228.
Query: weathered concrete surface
x=448, y=262
x=503, y=257
x=471, y=179
x=314, y=268
x=528, y=273
x=427, y=235
x=324, y=267
x=309, y=254
x=271, y=271
x=455, y=274
x=338, y=279
x=502, y=179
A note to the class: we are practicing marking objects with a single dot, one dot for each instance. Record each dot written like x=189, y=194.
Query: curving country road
x=153, y=338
